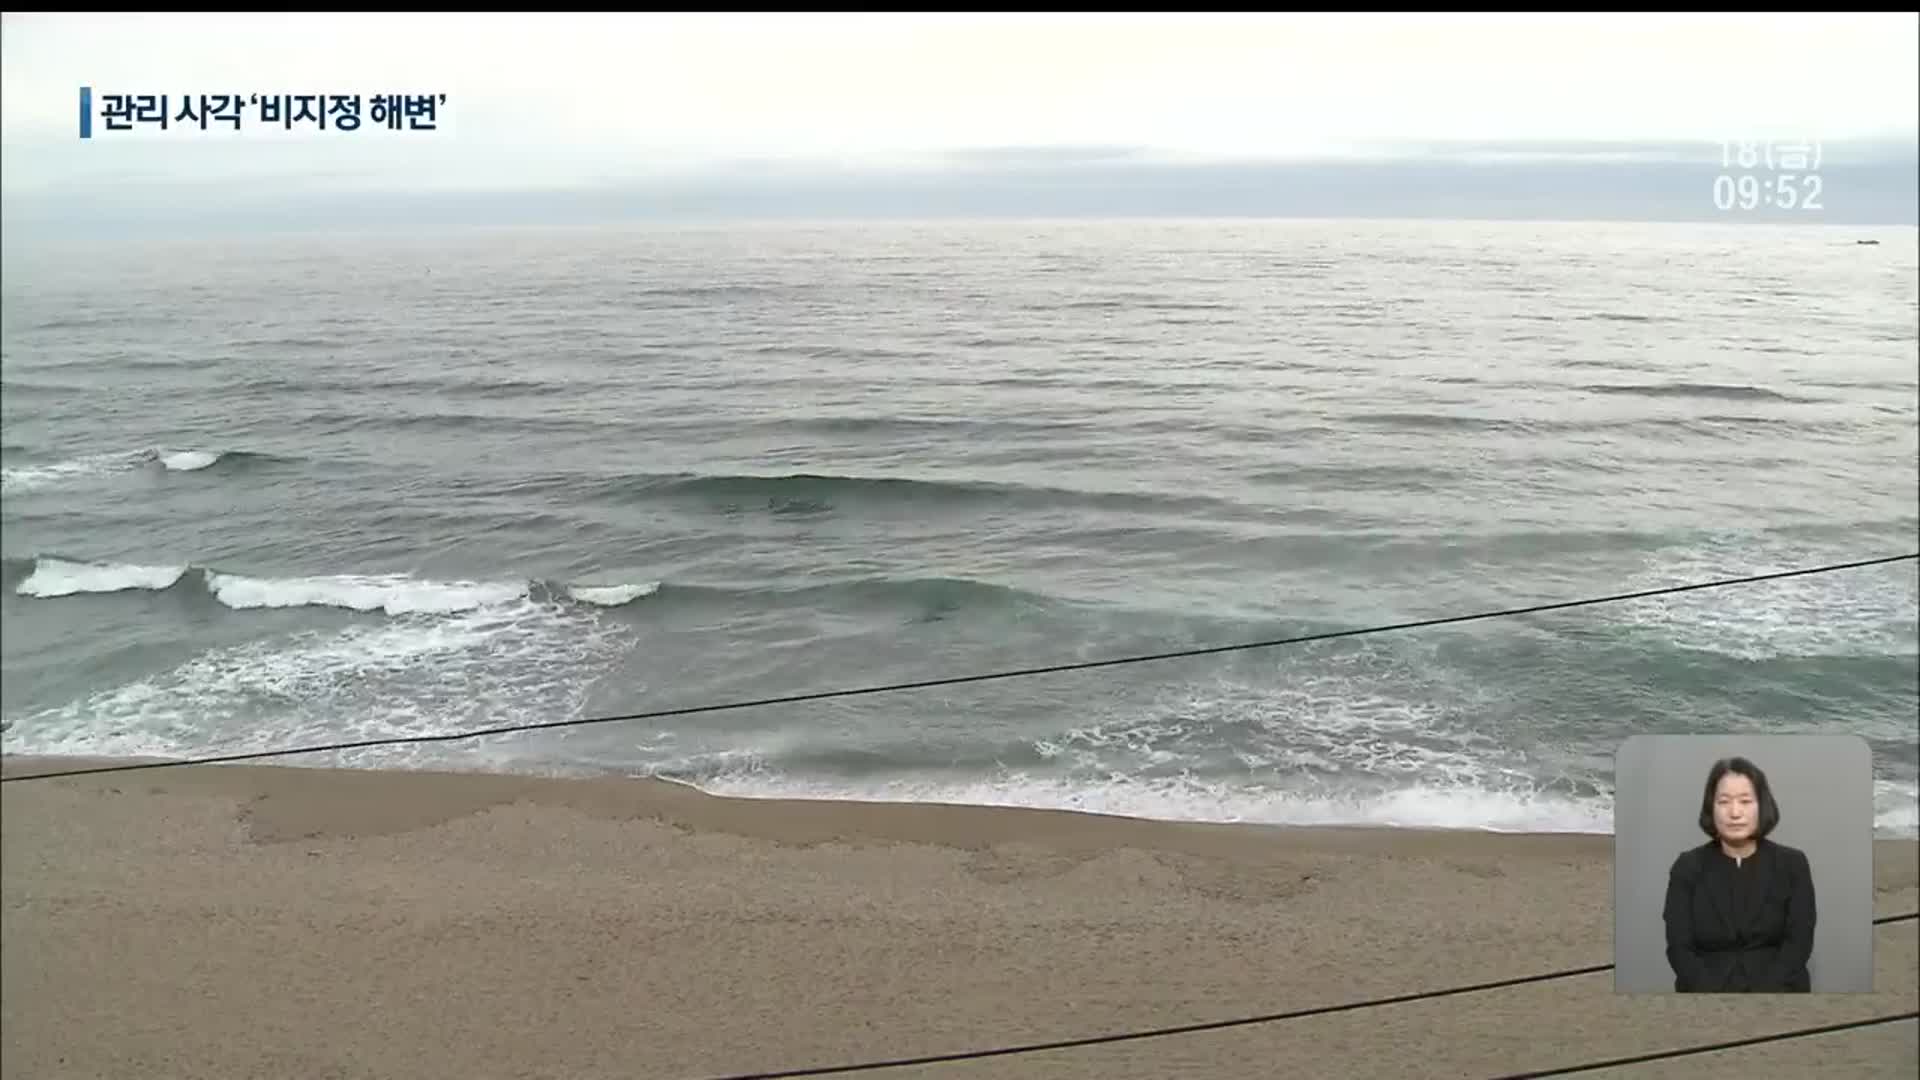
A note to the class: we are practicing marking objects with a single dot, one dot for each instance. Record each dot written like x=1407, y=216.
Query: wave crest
x=49, y=576
x=822, y=493
x=394, y=594
x=1719, y=391
x=20, y=479
x=611, y=595
x=60, y=577
x=188, y=460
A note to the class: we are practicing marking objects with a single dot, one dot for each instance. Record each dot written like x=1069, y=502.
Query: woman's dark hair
x=1762, y=794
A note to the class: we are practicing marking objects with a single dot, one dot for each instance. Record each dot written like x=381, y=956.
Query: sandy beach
x=284, y=922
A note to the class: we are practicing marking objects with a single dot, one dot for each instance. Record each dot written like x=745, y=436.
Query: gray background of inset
x=1824, y=785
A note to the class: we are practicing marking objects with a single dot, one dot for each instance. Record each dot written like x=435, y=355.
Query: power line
x=1215, y=1025
x=1710, y=1048
x=1052, y=669
x=1155, y=1033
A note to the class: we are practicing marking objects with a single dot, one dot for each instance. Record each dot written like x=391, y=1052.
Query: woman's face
x=1736, y=813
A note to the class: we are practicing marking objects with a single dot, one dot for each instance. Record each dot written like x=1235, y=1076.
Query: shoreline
x=13, y=764
x=702, y=808
x=251, y=920
x=801, y=821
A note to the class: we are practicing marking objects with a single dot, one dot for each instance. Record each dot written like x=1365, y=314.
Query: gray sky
x=573, y=117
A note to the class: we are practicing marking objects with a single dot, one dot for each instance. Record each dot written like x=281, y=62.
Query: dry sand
x=296, y=923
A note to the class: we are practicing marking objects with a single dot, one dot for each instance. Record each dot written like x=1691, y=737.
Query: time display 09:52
x=1783, y=192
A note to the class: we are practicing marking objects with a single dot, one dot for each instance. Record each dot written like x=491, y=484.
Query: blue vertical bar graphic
x=86, y=112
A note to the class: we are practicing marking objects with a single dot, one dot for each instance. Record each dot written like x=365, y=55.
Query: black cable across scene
x=956, y=680
x=1215, y=1025
x=1709, y=1048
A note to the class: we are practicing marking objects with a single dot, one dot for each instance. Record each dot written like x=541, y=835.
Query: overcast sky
x=577, y=116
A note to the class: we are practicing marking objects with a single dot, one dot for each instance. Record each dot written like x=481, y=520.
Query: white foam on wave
x=20, y=479
x=189, y=460
x=1187, y=798
x=1517, y=807
x=1896, y=809
x=520, y=662
x=612, y=595
x=394, y=594
x=1378, y=735
x=1378, y=713
x=1867, y=611
x=59, y=577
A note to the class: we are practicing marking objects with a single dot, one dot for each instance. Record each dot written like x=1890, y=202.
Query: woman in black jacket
x=1740, y=909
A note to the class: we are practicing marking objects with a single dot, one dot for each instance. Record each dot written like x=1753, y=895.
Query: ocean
x=280, y=491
